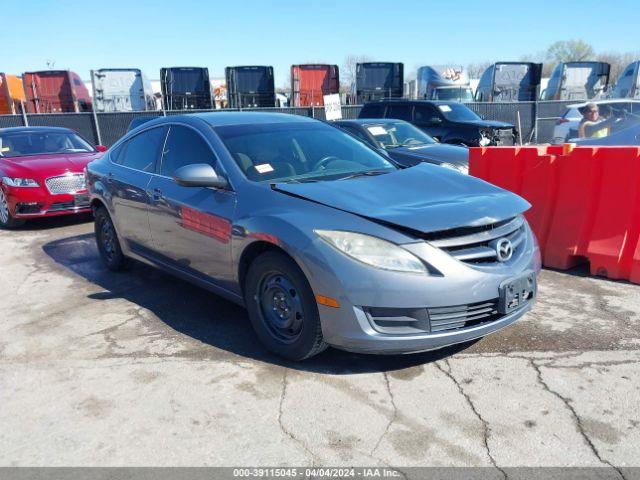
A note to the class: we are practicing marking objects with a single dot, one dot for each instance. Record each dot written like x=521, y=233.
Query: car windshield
x=459, y=94
x=299, y=152
x=18, y=144
x=398, y=134
x=456, y=112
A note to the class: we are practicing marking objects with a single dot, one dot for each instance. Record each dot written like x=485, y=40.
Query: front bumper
x=37, y=202
x=361, y=289
x=370, y=341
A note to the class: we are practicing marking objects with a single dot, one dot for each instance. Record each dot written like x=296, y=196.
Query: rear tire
x=282, y=307
x=108, y=242
x=7, y=221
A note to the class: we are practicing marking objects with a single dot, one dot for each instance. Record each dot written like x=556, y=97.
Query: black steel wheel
x=282, y=307
x=107, y=240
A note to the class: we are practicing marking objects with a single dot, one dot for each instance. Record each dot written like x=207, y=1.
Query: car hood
x=488, y=123
x=436, y=152
x=424, y=198
x=44, y=166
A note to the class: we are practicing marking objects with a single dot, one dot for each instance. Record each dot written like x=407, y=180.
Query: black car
x=447, y=122
x=406, y=144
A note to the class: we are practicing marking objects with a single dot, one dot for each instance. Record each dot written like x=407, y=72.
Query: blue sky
x=88, y=34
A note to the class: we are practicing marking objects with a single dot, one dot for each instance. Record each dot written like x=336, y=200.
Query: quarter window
x=184, y=147
x=142, y=151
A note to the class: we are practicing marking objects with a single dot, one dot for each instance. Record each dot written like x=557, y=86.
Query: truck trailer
x=55, y=91
x=11, y=94
x=510, y=82
x=309, y=83
x=628, y=83
x=185, y=88
x=377, y=80
x=577, y=81
x=121, y=90
x=250, y=86
x=443, y=82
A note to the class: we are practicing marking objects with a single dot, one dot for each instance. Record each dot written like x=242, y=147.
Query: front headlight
x=20, y=182
x=458, y=168
x=373, y=251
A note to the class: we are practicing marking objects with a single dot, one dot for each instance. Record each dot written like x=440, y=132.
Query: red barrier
x=585, y=202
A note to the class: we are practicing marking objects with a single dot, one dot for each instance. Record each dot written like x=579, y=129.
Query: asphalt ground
x=142, y=369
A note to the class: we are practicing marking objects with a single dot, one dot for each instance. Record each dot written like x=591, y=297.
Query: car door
x=132, y=166
x=427, y=118
x=191, y=226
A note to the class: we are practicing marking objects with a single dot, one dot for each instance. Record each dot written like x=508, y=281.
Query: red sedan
x=42, y=173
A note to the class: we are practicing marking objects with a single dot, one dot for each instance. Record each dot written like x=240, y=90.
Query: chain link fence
x=536, y=119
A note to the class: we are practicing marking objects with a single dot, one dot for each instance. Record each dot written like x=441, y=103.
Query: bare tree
x=476, y=69
x=348, y=71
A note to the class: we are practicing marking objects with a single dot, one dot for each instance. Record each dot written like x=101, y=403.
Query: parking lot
x=140, y=368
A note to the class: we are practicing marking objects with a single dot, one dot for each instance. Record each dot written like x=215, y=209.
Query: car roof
x=219, y=119
x=35, y=130
x=603, y=102
x=407, y=100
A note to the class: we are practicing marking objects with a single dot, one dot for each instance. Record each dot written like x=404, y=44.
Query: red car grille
x=66, y=183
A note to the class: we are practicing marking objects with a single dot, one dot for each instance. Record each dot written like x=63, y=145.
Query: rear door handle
x=157, y=195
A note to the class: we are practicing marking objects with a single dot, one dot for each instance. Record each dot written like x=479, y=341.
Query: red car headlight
x=20, y=182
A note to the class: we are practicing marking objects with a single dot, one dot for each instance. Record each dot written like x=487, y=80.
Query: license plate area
x=81, y=200
x=516, y=292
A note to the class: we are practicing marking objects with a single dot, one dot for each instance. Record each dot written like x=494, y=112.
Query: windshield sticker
x=377, y=130
x=444, y=108
x=264, y=168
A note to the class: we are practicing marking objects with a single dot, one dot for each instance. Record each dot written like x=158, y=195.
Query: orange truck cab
x=55, y=91
x=11, y=94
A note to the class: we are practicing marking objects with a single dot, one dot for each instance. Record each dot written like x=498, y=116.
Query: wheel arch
x=253, y=251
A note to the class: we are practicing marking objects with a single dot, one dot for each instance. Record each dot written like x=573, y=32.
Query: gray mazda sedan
x=324, y=240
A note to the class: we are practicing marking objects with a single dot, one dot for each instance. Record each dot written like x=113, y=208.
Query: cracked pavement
x=142, y=369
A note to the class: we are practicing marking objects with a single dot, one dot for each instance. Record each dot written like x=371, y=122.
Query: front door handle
x=156, y=195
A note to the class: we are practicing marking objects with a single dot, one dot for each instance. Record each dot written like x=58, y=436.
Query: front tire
x=108, y=242
x=7, y=221
x=282, y=307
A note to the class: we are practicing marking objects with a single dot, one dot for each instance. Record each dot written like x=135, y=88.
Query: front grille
x=63, y=206
x=463, y=316
x=478, y=244
x=66, y=183
x=407, y=321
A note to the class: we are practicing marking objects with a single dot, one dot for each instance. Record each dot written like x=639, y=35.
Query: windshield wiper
x=366, y=173
x=303, y=180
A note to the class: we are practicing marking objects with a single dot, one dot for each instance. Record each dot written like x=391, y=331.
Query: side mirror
x=198, y=175
x=101, y=148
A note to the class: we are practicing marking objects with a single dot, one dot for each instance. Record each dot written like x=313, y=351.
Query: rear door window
x=142, y=151
x=184, y=146
x=401, y=112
